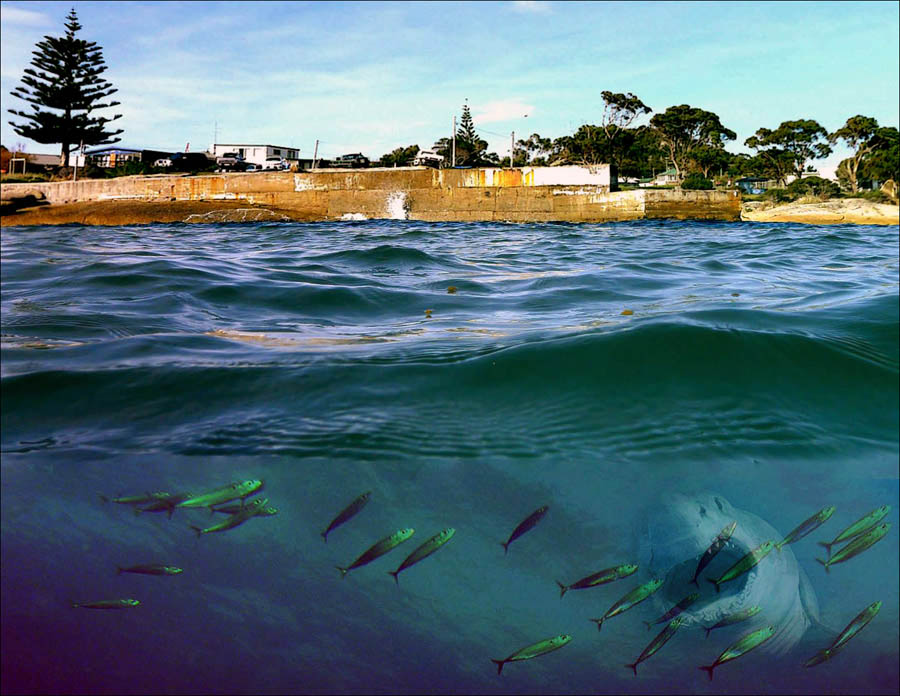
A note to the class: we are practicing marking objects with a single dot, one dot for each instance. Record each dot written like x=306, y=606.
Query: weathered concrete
x=516, y=195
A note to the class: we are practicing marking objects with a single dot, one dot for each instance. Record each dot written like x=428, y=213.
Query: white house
x=257, y=153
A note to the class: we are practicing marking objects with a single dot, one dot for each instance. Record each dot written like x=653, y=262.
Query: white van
x=428, y=158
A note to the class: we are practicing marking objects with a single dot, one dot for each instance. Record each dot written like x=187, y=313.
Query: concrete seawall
x=567, y=194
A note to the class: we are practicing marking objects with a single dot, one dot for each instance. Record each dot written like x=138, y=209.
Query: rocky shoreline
x=30, y=208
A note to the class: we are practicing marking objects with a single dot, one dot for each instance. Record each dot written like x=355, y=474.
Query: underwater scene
x=394, y=457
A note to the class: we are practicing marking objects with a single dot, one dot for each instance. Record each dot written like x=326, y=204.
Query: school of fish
x=856, y=538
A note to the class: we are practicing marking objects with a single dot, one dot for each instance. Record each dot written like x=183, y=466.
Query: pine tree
x=66, y=77
x=466, y=131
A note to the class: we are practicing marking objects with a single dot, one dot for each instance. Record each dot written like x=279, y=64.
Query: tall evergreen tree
x=65, y=77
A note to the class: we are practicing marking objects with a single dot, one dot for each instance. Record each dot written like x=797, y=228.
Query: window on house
x=276, y=151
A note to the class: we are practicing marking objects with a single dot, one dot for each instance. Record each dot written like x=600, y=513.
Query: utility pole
x=215, y=136
x=315, y=152
x=453, y=150
x=512, y=148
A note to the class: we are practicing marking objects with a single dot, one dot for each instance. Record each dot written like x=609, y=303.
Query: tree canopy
x=860, y=134
x=65, y=77
x=399, y=157
x=619, y=112
x=683, y=129
x=798, y=141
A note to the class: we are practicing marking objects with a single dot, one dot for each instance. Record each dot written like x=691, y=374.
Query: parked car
x=353, y=161
x=191, y=161
x=163, y=163
x=428, y=158
x=251, y=167
x=230, y=162
x=276, y=162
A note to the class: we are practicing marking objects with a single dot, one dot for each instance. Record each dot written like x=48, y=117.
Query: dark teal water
x=759, y=362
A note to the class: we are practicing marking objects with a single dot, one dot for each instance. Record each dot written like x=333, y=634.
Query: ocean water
x=649, y=381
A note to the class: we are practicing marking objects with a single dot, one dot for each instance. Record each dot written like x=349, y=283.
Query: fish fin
x=395, y=573
x=714, y=583
x=599, y=622
x=344, y=572
x=709, y=670
x=633, y=666
x=198, y=530
x=499, y=664
x=824, y=563
x=562, y=589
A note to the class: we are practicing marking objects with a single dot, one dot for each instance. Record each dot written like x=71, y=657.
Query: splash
x=353, y=216
x=397, y=206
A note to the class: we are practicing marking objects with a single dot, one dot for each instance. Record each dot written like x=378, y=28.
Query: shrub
x=778, y=195
x=697, y=182
x=813, y=186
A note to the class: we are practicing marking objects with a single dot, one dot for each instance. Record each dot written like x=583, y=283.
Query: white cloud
x=15, y=16
x=531, y=6
x=502, y=110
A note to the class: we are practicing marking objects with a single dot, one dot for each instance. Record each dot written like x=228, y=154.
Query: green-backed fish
x=737, y=617
x=863, y=524
x=717, y=544
x=599, y=578
x=249, y=510
x=379, y=548
x=525, y=525
x=135, y=499
x=358, y=504
x=806, y=527
x=744, y=564
x=658, y=642
x=151, y=569
x=425, y=550
x=860, y=621
x=857, y=546
x=636, y=596
x=108, y=604
x=164, y=502
x=217, y=496
x=674, y=611
x=742, y=647
x=234, y=508
x=542, y=647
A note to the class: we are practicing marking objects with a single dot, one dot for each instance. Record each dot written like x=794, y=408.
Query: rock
x=238, y=215
x=14, y=198
x=889, y=188
x=843, y=210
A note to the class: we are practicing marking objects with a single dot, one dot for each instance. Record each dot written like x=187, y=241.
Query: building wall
x=258, y=153
x=415, y=192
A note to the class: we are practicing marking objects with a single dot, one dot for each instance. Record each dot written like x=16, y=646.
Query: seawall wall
x=570, y=194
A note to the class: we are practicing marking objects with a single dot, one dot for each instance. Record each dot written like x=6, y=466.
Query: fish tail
x=827, y=547
x=634, y=667
x=696, y=583
x=499, y=664
x=171, y=512
x=824, y=563
x=344, y=572
x=714, y=583
x=708, y=670
x=325, y=536
x=649, y=625
x=505, y=545
x=599, y=622
x=198, y=530
x=778, y=546
x=395, y=573
x=118, y=570
x=707, y=631
x=562, y=589
x=103, y=498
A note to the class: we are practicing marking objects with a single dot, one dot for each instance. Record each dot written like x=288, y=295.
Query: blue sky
x=373, y=76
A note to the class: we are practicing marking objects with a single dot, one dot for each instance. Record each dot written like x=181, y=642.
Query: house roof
x=283, y=147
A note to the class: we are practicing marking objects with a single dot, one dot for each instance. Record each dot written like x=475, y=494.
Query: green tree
x=619, y=112
x=399, y=157
x=682, y=129
x=706, y=159
x=644, y=157
x=858, y=133
x=535, y=149
x=799, y=141
x=883, y=162
x=470, y=149
x=65, y=77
